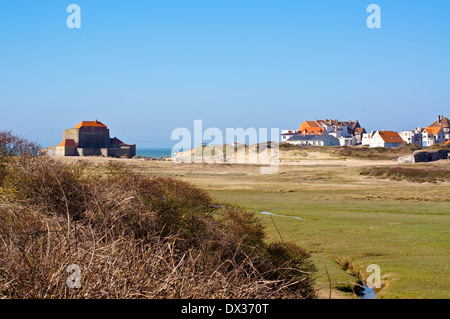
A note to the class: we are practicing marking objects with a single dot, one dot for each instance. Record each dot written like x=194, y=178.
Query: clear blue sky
x=147, y=67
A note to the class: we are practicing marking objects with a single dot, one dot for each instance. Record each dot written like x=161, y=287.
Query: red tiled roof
x=90, y=124
x=312, y=123
x=310, y=127
x=391, y=137
x=433, y=130
x=360, y=130
x=447, y=143
x=68, y=142
x=443, y=122
x=116, y=141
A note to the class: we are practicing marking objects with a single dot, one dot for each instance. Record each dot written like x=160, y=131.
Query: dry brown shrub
x=133, y=236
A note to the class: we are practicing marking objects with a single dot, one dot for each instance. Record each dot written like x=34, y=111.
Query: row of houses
x=436, y=133
x=349, y=133
x=325, y=133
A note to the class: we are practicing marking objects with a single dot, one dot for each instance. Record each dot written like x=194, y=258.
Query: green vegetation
x=350, y=220
x=407, y=238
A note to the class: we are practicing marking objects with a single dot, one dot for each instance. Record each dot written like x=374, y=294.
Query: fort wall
x=71, y=134
x=91, y=139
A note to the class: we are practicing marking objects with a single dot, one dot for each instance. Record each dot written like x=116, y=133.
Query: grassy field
x=349, y=219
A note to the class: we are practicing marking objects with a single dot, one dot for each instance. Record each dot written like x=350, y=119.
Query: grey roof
x=320, y=137
x=311, y=137
x=302, y=137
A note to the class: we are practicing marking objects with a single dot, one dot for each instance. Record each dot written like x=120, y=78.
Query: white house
x=385, y=139
x=366, y=138
x=443, y=123
x=413, y=137
x=287, y=134
x=432, y=135
x=335, y=128
x=314, y=140
x=348, y=141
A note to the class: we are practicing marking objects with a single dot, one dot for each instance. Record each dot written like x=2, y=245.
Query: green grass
x=409, y=240
x=330, y=271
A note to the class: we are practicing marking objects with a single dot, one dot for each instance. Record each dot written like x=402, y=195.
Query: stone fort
x=91, y=138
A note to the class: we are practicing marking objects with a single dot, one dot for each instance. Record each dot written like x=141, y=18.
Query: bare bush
x=134, y=236
x=12, y=145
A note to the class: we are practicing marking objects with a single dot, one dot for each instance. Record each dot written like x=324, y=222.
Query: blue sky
x=147, y=67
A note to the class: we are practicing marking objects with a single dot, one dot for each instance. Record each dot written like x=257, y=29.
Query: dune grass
x=409, y=173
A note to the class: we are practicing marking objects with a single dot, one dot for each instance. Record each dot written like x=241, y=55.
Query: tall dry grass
x=412, y=174
x=133, y=236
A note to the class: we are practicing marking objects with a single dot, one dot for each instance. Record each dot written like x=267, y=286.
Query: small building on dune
x=91, y=138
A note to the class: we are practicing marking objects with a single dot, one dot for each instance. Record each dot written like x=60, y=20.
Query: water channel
x=366, y=293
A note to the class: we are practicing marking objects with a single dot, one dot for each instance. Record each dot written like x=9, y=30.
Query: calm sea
x=154, y=152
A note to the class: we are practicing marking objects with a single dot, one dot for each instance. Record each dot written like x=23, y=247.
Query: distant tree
x=14, y=145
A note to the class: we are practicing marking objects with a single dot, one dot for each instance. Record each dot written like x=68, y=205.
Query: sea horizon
x=154, y=152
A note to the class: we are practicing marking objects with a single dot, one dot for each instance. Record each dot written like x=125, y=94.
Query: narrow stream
x=268, y=213
x=366, y=293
